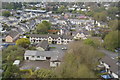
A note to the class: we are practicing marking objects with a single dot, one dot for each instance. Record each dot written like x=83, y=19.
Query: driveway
x=57, y=47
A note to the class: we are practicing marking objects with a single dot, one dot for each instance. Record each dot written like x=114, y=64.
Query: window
x=57, y=64
x=42, y=56
x=49, y=38
x=32, y=56
x=38, y=56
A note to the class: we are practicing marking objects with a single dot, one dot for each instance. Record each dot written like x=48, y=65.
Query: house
x=53, y=56
x=81, y=22
x=12, y=36
x=12, y=18
x=43, y=46
x=111, y=66
x=53, y=31
x=35, y=11
x=51, y=38
x=80, y=35
x=61, y=21
x=3, y=19
x=101, y=24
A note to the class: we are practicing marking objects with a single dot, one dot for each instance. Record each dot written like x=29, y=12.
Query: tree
x=43, y=73
x=34, y=8
x=43, y=27
x=6, y=13
x=100, y=16
x=12, y=71
x=23, y=42
x=11, y=5
x=111, y=40
x=46, y=23
x=90, y=13
x=114, y=24
x=93, y=41
x=12, y=53
x=61, y=9
x=78, y=62
x=112, y=12
x=89, y=42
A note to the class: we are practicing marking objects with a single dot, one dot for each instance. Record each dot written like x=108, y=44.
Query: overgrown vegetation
x=79, y=62
x=43, y=27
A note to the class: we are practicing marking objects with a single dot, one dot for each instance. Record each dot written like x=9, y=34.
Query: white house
x=52, y=39
x=53, y=56
x=80, y=35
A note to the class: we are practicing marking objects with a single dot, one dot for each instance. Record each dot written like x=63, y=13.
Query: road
x=113, y=55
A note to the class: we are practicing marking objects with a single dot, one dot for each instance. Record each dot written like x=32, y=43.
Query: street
x=111, y=54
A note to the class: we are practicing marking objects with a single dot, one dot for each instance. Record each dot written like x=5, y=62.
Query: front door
x=27, y=58
x=48, y=58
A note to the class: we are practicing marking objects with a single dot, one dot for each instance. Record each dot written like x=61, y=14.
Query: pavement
x=57, y=48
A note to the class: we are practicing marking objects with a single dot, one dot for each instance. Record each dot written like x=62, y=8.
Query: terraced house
x=52, y=39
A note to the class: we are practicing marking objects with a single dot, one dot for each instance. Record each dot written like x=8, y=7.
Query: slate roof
x=38, y=35
x=43, y=44
x=13, y=34
x=51, y=35
x=67, y=37
x=55, y=55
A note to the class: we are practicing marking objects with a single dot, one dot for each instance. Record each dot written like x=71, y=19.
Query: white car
x=64, y=48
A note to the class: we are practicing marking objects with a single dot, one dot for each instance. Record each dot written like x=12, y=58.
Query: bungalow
x=53, y=56
x=12, y=36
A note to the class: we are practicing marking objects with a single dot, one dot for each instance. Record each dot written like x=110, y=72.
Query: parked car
x=64, y=48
